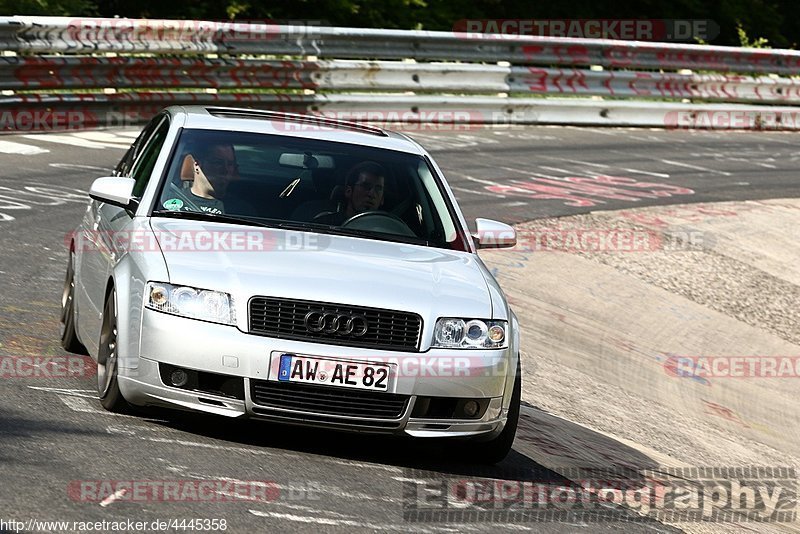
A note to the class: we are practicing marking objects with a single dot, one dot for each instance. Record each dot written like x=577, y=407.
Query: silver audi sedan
x=296, y=269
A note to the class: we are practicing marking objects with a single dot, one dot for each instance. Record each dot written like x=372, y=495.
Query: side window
x=123, y=168
x=439, y=205
x=144, y=165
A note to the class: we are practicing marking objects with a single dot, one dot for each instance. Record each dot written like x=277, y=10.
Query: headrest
x=187, y=169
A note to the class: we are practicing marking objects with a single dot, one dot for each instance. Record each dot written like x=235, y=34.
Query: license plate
x=331, y=372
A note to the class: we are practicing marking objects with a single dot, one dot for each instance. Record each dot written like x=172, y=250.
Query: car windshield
x=307, y=184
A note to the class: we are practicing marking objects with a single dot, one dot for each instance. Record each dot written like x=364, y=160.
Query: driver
x=208, y=168
x=363, y=192
x=214, y=169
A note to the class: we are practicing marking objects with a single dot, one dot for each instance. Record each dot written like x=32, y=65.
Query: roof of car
x=307, y=126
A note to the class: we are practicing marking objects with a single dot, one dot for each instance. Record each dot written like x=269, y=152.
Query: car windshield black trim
x=290, y=225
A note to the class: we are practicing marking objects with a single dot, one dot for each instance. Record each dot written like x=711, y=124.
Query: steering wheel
x=321, y=215
x=379, y=221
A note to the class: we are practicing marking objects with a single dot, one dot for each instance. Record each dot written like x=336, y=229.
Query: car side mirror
x=494, y=234
x=114, y=190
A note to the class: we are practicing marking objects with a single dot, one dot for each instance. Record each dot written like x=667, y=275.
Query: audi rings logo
x=336, y=323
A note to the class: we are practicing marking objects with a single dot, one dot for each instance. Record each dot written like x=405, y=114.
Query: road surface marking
x=74, y=141
x=9, y=147
x=70, y=392
x=111, y=498
x=78, y=404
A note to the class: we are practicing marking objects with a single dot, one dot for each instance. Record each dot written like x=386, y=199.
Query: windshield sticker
x=173, y=204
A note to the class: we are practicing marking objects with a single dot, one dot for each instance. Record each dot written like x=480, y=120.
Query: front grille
x=328, y=400
x=285, y=319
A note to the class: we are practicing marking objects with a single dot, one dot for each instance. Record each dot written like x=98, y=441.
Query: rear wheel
x=69, y=337
x=107, y=385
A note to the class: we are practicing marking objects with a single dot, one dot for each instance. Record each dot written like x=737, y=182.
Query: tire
x=496, y=449
x=69, y=337
x=107, y=385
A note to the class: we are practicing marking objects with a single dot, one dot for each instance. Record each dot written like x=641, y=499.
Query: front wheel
x=107, y=386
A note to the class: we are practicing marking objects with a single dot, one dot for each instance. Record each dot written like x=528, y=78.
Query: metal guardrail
x=120, y=69
x=65, y=72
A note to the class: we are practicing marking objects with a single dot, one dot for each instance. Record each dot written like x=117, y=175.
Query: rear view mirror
x=114, y=190
x=494, y=234
x=305, y=161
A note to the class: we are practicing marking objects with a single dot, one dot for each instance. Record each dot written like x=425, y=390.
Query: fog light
x=178, y=378
x=471, y=408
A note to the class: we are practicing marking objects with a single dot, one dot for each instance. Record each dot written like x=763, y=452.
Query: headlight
x=454, y=333
x=185, y=301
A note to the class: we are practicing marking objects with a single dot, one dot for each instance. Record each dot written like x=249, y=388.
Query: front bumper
x=225, y=350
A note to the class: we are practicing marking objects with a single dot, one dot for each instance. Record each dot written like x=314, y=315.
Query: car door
x=106, y=228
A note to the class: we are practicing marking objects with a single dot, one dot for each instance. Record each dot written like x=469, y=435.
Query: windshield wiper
x=216, y=217
x=303, y=226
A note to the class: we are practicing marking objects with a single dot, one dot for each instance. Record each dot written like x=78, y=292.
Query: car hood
x=325, y=268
